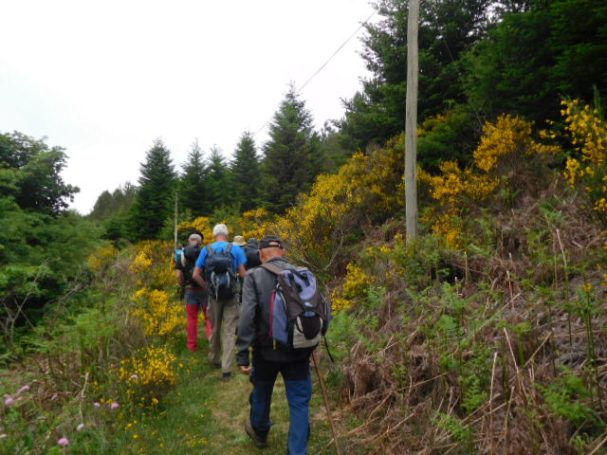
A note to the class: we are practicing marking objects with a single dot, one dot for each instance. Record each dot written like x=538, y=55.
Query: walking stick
x=326, y=399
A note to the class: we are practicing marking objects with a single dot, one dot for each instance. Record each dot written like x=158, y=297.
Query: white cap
x=220, y=229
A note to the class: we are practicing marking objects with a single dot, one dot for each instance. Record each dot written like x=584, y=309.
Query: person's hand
x=246, y=369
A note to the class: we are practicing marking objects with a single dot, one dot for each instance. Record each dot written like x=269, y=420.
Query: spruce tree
x=154, y=202
x=291, y=156
x=245, y=173
x=220, y=190
x=192, y=186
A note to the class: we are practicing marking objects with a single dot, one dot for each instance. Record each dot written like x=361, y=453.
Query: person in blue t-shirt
x=220, y=263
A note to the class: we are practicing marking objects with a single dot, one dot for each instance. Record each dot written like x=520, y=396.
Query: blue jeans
x=298, y=385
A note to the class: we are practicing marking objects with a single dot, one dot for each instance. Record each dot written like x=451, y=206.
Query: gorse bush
x=507, y=157
x=159, y=314
x=355, y=286
x=368, y=188
x=587, y=165
x=149, y=373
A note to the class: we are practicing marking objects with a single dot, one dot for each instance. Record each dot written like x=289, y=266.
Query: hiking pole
x=326, y=399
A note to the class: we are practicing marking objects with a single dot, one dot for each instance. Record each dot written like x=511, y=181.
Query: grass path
x=204, y=415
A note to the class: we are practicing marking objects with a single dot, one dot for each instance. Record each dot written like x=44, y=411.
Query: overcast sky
x=105, y=78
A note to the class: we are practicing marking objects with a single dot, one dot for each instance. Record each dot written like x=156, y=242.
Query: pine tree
x=192, y=186
x=291, y=156
x=219, y=183
x=245, y=173
x=112, y=204
x=154, y=202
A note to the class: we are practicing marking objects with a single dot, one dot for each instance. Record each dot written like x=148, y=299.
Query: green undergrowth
x=492, y=344
x=204, y=414
x=200, y=414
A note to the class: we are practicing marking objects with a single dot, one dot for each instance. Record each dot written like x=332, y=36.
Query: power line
x=341, y=46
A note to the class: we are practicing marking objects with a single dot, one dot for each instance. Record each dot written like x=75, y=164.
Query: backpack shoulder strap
x=210, y=250
x=229, y=248
x=272, y=268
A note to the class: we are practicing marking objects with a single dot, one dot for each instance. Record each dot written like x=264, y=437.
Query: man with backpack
x=251, y=251
x=194, y=294
x=221, y=263
x=283, y=317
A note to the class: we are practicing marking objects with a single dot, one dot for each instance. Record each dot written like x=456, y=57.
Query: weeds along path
x=204, y=415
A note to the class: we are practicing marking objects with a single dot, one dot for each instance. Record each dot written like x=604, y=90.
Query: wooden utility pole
x=176, y=213
x=411, y=120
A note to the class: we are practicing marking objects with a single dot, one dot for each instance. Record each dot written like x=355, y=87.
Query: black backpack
x=188, y=258
x=218, y=270
x=252, y=253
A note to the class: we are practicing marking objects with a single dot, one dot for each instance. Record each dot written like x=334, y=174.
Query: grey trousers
x=224, y=315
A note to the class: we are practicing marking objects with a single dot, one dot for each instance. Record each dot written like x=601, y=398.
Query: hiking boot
x=259, y=442
x=226, y=377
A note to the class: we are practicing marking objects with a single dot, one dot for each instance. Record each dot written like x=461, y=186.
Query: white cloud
x=104, y=79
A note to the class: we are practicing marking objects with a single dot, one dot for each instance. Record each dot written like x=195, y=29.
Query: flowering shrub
x=368, y=187
x=152, y=264
x=253, y=223
x=148, y=374
x=158, y=313
x=508, y=137
x=355, y=286
x=200, y=224
x=504, y=150
x=454, y=189
x=102, y=258
x=587, y=166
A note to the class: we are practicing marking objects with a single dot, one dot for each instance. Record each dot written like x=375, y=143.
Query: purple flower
x=25, y=388
x=63, y=442
x=80, y=427
x=8, y=401
x=97, y=404
x=114, y=406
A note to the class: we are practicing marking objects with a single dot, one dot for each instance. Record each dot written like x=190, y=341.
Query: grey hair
x=220, y=229
x=196, y=237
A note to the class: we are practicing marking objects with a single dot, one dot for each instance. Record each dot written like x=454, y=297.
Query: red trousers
x=195, y=301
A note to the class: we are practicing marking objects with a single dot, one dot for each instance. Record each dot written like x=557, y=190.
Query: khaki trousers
x=224, y=314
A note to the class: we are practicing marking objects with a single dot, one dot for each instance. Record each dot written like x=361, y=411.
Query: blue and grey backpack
x=298, y=313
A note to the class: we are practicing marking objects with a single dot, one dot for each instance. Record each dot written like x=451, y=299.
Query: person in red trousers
x=196, y=297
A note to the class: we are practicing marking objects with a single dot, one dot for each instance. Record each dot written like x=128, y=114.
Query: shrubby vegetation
x=43, y=246
x=486, y=330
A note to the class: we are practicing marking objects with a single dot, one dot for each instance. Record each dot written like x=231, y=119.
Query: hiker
x=251, y=251
x=193, y=293
x=221, y=262
x=279, y=348
x=239, y=240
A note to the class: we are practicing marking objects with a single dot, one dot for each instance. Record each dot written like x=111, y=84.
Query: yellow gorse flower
x=102, y=258
x=587, y=167
x=158, y=313
x=356, y=285
x=456, y=190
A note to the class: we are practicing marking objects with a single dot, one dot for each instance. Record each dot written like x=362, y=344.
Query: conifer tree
x=292, y=155
x=154, y=202
x=245, y=173
x=192, y=186
x=219, y=186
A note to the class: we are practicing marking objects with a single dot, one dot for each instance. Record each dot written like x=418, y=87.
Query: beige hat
x=239, y=240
